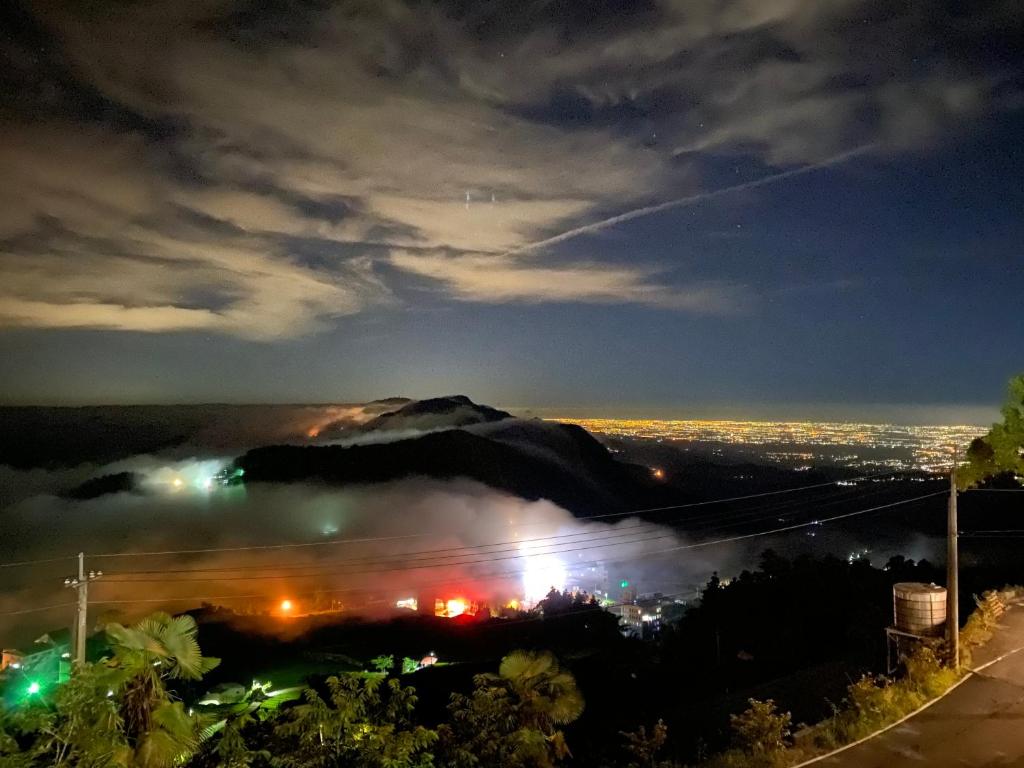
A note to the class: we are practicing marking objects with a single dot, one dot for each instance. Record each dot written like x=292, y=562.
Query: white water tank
x=918, y=608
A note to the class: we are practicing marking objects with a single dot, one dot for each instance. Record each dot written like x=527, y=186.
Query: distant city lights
x=801, y=444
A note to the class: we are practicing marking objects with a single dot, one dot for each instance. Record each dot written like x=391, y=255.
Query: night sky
x=305, y=201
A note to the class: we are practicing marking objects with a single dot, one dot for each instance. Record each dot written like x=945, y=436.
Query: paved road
x=980, y=724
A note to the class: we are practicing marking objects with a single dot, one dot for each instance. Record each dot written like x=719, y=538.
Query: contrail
x=681, y=202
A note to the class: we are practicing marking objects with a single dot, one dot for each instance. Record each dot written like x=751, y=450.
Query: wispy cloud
x=501, y=279
x=269, y=172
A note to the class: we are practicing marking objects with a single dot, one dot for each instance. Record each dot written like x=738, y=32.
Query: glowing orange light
x=659, y=474
x=313, y=432
x=456, y=607
x=286, y=606
x=513, y=604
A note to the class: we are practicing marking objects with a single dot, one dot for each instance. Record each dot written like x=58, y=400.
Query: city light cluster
x=798, y=443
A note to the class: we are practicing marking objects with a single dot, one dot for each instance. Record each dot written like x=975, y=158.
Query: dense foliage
x=124, y=711
x=999, y=455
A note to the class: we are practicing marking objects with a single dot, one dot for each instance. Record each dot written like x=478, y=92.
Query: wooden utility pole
x=81, y=584
x=952, y=576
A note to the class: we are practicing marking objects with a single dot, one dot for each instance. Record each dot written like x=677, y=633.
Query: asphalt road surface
x=980, y=723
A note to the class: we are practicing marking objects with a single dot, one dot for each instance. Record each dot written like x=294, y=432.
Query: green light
x=33, y=688
x=624, y=584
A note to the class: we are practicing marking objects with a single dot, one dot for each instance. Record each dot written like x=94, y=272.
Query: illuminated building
x=11, y=658
x=631, y=619
x=629, y=592
x=455, y=606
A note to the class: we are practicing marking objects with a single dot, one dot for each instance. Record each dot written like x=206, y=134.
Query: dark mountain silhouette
x=52, y=437
x=435, y=413
x=530, y=459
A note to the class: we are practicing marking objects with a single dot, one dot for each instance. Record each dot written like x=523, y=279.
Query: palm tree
x=547, y=695
x=512, y=718
x=157, y=649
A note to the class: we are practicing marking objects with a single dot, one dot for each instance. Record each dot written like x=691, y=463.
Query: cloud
x=94, y=241
x=245, y=170
x=412, y=537
x=503, y=279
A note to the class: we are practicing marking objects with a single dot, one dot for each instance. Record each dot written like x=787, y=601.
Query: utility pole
x=952, y=576
x=81, y=584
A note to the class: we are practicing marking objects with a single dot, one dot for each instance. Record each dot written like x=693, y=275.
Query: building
x=630, y=619
x=11, y=658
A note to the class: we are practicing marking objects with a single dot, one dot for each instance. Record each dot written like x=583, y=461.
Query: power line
x=537, y=549
x=695, y=545
x=42, y=561
x=374, y=539
x=538, y=545
x=684, y=547
x=799, y=525
x=378, y=539
x=37, y=609
x=739, y=498
x=466, y=550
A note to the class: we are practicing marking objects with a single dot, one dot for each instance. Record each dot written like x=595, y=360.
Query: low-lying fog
x=362, y=547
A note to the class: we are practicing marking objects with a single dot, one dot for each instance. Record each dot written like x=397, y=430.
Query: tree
x=145, y=656
x=365, y=722
x=383, y=664
x=642, y=747
x=87, y=728
x=1001, y=451
x=232, y=750
x=760, y=731
x=117, y=712
x=512, y=719
x=409, y=665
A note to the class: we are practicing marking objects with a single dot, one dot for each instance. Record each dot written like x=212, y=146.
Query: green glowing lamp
x=624, y=584
x=33, y=688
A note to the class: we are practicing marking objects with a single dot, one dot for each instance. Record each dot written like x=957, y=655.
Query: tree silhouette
x=1000, y=453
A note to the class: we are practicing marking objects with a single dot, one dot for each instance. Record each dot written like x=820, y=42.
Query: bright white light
x=540, y=574
x=184, y=477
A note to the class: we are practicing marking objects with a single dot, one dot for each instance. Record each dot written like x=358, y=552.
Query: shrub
x=761, y=732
